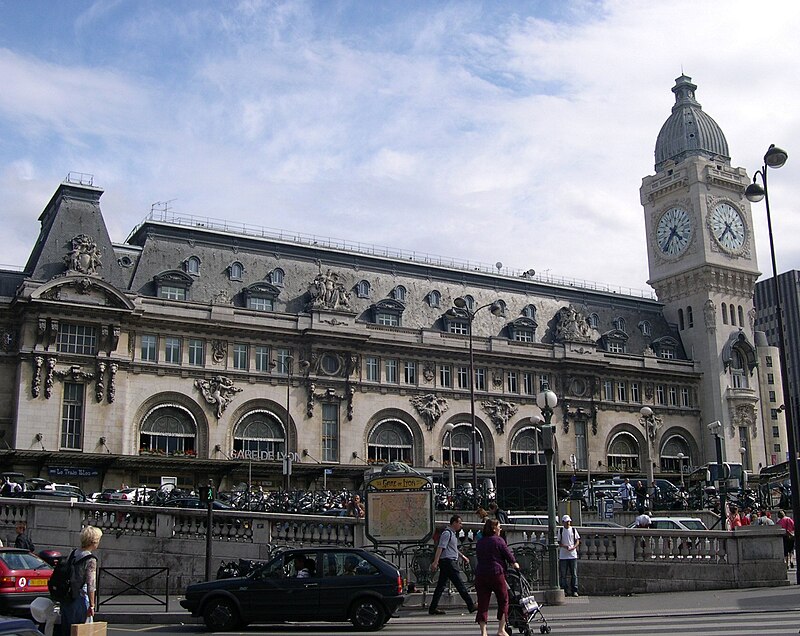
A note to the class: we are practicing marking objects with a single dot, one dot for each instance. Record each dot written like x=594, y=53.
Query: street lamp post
x=716, y=429
x=288, y=362
x=651, y=423
x=462, y=310
x=776, y=158
x=546, y=401
x=743, y=479
x=680, y=467
x=448, y=430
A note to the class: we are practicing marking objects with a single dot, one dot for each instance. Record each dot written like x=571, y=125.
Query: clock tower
x=702, y=265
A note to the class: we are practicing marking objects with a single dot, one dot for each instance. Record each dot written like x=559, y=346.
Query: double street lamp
x=547, y=401
x=462, y=309
x=776, y=158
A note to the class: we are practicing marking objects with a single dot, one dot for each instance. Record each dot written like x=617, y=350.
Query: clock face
x=674, y=231
x=728, y=228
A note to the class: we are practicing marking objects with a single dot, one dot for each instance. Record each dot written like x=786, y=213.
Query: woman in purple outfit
x=490, y=575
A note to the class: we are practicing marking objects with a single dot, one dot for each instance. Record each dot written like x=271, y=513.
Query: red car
x=23, y=577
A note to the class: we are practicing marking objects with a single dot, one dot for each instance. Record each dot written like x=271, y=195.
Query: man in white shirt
x=626, y=494
x=568, y=542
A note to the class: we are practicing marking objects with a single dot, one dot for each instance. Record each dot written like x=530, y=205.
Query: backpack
x=60, y=583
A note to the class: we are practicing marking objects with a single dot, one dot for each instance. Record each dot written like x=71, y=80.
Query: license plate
x=37, y=582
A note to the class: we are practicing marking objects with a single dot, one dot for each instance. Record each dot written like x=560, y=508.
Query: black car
x=303, y=585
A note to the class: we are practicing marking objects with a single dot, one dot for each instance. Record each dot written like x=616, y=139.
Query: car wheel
x=367, y=615
x=220, y=615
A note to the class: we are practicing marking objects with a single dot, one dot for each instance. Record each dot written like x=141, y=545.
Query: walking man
x=445, y=560
x=568, y=542
x=626, y=494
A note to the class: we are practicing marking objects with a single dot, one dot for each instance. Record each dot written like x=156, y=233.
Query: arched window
x=363, y=289
x=738, y=369
x=460, y=441
x=259, y=431
x=593, y=320
x=526, y=447
x=470, y=302
x=390, y=441
x=276, y=277
x=724, y=314
x=646, y=328
x=399, y=293
x=529, y=311
x=675, y=456
x=733, y=314
x=235, y=271
x=623, y=453
x=502, y=305
x=434, y=298
x=741, y=316
x=681, y=325
x=689, y=317
x=619, y=323
x=192, y=266
x=168, y=430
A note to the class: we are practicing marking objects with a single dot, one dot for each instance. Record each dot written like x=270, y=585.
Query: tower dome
x=689, y=131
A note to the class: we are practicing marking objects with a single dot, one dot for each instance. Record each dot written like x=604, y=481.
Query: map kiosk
x=399, y=505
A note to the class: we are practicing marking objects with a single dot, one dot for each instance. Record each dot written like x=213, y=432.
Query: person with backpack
x=568, y=542
x=445, y=559
x=77, y=596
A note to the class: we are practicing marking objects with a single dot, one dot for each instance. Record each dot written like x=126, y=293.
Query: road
x=762, y=623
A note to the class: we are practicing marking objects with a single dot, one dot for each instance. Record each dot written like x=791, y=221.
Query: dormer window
x=399, y=293
x=173, y=284
x=235, y=271
x=261, y=296
x=665, y=347
x=522, y=330
x=614, y=341
x=593, y=320
x=470, y=302
x=456, y=321
x=363, y=289
x=434, y=298
x=646, y=328
x=529, y=312
x=388, y=312
x=192, y=266
x=276, y=277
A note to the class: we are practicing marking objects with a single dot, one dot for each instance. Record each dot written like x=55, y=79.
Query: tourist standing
x=568, y=542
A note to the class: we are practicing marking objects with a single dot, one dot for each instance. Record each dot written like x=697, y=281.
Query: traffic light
x=207, y=494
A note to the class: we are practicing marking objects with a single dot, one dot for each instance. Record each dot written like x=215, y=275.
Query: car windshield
x=22, y=561
x=694, y=524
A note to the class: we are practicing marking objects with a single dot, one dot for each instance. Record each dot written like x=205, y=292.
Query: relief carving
x=710, y=315
x=218, y=391
x=571, y=326
x=219, y=351
x=430, y=408
x=499, y=411
x=112, y=388
x=99, y=388
x=328, y=292
x=48, y=378
x=84, y=257
x=36, y=380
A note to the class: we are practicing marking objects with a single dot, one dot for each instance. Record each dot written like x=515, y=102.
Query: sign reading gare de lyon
x=264, y=456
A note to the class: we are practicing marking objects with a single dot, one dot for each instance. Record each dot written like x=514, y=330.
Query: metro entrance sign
x=399, y=505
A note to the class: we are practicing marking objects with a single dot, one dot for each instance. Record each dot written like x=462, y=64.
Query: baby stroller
x=522, y=606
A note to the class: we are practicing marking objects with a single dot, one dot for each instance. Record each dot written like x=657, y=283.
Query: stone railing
x=612, y=560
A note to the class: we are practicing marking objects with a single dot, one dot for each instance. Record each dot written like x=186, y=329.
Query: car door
x=276, y=593
x=345, y=574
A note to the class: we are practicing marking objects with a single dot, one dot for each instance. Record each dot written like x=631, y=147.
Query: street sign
x=605, y=508
x=329, y=471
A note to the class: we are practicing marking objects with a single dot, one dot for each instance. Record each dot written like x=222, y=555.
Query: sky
x=512, y=132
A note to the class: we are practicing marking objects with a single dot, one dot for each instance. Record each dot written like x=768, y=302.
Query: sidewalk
x=142, y=610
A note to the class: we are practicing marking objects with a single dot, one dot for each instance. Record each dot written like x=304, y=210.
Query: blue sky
x=516, y=132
